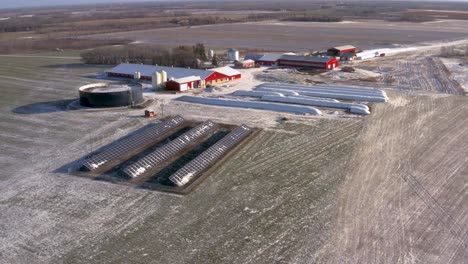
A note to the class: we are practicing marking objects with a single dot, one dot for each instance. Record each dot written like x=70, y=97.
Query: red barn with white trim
x=310, y=62
x=213, y=76
x=244, y=64
x=184, y=84
x=226, y=74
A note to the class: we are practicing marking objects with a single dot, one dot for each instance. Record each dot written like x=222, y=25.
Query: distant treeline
x=182, y=56
x=313, y=18
x=204, y=20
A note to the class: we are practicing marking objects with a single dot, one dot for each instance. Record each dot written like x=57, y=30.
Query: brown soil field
x=300, y=36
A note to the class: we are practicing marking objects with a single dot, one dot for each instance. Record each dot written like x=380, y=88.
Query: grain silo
x=156, y=80
x=164, y=76
x=233, y=55
x=210, y=54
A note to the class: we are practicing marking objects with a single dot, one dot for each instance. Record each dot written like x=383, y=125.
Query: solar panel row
x=131, y=143
x=210, y=156
x=169, y=150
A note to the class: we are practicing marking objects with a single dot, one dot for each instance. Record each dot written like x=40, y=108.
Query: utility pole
x=162, y=108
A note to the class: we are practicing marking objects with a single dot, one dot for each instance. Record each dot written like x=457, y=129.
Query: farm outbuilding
x=253, y=56
x=244, y=64
x=225, y=74
x=213, y=76
x=264, y=59
x=269, y=59
x=310, y=62
x=184, y=84
x=340, y=50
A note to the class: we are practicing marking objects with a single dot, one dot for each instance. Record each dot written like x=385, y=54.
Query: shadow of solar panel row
x=210, y=156
x=131, y=143
x=169, y=150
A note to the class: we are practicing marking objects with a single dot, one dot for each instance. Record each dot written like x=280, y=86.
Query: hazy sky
x=26, y=3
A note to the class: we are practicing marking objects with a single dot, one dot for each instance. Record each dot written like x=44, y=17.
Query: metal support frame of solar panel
x=132, y=143
x=164, y=153
x=210, y=156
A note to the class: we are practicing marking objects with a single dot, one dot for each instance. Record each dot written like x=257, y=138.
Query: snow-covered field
x=334, y=188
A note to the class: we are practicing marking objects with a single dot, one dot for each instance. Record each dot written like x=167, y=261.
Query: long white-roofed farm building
x=179, y=79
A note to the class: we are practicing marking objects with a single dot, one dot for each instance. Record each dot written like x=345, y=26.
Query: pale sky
x=30, y=3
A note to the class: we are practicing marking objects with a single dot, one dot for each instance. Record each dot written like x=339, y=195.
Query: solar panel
x=132, y=143
x=210, y=156
x=169, y=150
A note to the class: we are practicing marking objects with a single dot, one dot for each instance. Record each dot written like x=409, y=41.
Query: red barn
x=311, y=62
x=223, y=74
x=244, y=64
x=340, y=50
x=184, y=84
x=181, y=75
x=269, y=59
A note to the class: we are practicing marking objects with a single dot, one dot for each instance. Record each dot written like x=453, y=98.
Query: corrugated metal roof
x=344, y=47
x=254, y=57
x=226, y=70
x=323, y=59
x=271, y=57
x=148, y=70
x=188, y=79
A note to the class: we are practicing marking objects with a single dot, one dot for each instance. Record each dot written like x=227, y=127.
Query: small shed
x=150, y=113
x=244, y=64
x=184, y=84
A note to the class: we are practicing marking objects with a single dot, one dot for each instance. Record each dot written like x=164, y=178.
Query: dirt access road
x=405, y=197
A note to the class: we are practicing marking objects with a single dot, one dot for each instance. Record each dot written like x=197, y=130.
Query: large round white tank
x=164, y=76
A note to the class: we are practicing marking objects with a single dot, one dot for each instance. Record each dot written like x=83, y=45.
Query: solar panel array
x=169, y=150
x=210, y=156
x=131, y=143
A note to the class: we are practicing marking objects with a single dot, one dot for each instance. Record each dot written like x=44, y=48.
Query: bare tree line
x=182, y=56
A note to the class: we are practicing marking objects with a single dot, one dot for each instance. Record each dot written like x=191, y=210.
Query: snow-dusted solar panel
x=131, y=143
x=210, y=156
x=170, y=149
